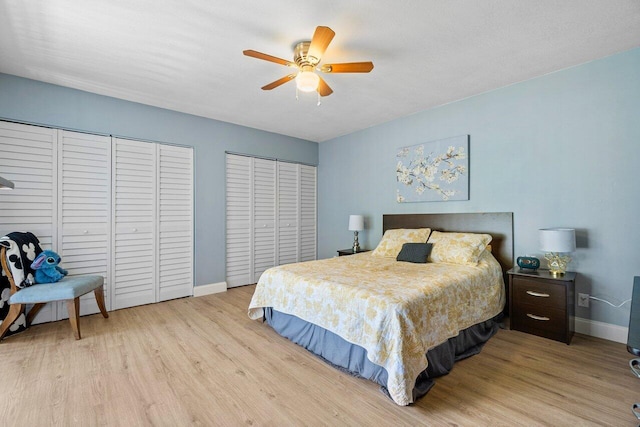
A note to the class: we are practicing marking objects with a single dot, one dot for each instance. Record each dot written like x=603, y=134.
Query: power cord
x=614, y=306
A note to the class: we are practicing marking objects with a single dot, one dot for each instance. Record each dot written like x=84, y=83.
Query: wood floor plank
x=202, y=361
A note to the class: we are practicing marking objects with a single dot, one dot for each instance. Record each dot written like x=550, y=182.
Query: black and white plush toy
x=22, y=250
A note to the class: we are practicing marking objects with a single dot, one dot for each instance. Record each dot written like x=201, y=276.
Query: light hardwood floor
x=201, y=361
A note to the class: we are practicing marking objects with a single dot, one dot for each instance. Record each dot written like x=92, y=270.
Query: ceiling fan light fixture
x=306, y=58
x=307, y=81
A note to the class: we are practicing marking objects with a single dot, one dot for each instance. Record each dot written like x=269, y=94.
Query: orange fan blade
x=264, y=56
x=320, y=41
x=323, y=88
x=348, y=67
x=279, y=82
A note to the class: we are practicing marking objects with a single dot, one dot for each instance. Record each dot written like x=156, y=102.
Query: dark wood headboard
x=498, y=224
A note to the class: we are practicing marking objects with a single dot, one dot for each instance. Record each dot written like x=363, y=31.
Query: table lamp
x=555, y=242
x=356, y=223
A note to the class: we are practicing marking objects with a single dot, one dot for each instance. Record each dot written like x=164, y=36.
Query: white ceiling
x=187, y=55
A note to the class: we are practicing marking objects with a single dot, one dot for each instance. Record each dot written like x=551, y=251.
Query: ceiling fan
x=306, y=58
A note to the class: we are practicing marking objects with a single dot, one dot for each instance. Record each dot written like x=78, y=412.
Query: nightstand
x=542, y=304
x=344, y=252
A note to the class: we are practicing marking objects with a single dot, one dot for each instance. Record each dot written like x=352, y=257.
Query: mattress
x=395, y=311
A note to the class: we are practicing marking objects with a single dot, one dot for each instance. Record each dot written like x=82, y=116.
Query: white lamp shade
x=356, y=223
x=558, y=240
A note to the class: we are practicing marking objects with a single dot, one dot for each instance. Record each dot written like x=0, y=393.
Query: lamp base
x=557, y=263
x=356, y=245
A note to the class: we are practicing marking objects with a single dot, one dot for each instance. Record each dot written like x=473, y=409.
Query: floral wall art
x=433, y=171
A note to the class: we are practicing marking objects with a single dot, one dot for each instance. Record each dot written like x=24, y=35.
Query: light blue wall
x=41, y=103
x=557, y=151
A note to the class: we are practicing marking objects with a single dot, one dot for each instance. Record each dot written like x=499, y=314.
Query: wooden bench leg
x=14, y=313
x=73, y=307
x=34, y=312
x=99, y=293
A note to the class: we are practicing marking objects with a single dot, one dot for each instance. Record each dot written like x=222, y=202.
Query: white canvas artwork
x=434, y=171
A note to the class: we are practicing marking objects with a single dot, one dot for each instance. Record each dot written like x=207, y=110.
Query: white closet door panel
x=264, y=251
x=308, y=209
x=134, y=267
x=264, y=216
x=287, y=245
x=89, y=257
x=287, y=192
x=288, y=207
x=134, y=213
x=28, y=157
x=175, y=216
x=278, y=213
x=239, y=228
x=84, y=207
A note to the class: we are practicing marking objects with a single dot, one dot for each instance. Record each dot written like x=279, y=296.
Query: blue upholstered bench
x=69, y=289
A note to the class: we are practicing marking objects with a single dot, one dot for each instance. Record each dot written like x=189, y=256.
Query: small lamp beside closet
x=356, y=223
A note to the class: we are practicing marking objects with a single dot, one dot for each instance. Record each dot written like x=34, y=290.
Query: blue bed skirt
x=352, y=358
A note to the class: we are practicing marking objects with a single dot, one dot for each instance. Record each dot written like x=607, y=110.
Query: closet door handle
x=534, y=317
x=537, y=294
x=135, y=229
x=85, y=231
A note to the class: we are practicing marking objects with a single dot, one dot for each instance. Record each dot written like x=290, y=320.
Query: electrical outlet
x=583, y=300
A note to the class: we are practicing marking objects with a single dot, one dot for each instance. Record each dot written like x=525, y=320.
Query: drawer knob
x=534, y=317
x=537, y=294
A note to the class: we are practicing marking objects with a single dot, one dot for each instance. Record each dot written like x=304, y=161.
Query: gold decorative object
x=557, y=263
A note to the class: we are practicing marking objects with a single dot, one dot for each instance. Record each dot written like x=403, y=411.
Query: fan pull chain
x=297, y=93
x=318, y=104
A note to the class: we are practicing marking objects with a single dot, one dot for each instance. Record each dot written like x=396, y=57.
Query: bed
x=400, y=324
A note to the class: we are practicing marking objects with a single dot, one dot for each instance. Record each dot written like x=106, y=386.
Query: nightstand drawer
x=542, y=304
x=539, y=293
x=539, y=320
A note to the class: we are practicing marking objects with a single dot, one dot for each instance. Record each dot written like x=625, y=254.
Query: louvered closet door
x=239, y=217
x=28, y=157
x=134, y=211
x=308, y=209
x=175, y=221
x=288, y=211
x=84, y=210
x=264, y=216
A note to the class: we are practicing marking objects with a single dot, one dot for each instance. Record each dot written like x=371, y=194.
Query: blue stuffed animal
x=46, y=267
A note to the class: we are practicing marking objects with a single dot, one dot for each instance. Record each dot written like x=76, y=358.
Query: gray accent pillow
x=415, y=252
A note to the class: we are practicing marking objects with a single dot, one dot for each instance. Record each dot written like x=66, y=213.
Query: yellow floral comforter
x=394, y=310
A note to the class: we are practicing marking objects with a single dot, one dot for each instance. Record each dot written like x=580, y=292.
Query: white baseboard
x=212, y=288
x=603, y=330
